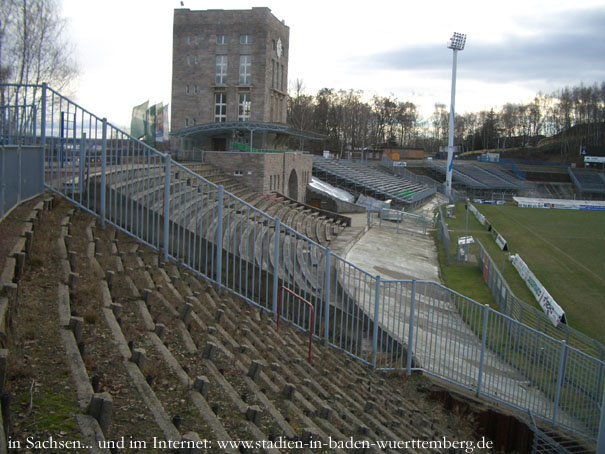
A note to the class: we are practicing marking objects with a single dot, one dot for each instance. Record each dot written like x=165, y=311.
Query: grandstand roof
x=255, y=126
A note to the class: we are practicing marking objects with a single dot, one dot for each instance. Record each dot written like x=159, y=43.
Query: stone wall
x=287, y=173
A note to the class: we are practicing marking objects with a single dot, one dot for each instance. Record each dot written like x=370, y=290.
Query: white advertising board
x=501, y=242
x=553, y=311
x=478, y=215
x=599, y=159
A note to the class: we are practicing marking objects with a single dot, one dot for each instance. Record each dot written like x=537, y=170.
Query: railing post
x=2, y=182
x=486, y=310
x=43, y=117
x=103, y=187
x=219, y=239
x=327, y=295
x=279, y=306
x=43, y=131
x=408, y=362
x=562, y=361
x=82, y=163
x=376, y=312
x=166, y=238
x=601, y=436
x=276, y=264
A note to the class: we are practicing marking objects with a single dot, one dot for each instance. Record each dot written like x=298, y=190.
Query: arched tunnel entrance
x=293, y=185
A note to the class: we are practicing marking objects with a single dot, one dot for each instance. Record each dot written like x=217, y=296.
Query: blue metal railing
x=389, y=325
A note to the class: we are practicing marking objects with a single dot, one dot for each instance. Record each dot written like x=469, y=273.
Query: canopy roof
x=251, y=126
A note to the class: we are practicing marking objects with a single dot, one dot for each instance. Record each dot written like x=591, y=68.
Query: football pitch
x=565, y=249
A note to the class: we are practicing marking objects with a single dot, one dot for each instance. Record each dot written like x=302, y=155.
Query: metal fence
x=21, y=164
x=21, y=176
x=529, y=315
x=389, y=325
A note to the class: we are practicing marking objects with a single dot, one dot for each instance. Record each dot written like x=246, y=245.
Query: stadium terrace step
x=252, y=383
x=95, y=362
x=159, y=354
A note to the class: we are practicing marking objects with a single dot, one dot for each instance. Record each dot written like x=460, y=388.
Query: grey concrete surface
x=443, y=343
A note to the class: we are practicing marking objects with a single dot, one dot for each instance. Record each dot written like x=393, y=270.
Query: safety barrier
x=390, y=325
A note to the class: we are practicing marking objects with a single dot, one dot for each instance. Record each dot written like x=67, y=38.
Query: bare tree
x=34, y=46
x=407, y=116
x=300, y=107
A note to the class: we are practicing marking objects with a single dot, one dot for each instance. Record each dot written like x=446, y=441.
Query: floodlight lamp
x=457, y=41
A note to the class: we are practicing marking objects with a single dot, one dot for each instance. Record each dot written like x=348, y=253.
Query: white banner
x=501, y=242
x=478, y=215
x=552, y=310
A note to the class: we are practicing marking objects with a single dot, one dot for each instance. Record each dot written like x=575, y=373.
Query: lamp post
x=456, y=43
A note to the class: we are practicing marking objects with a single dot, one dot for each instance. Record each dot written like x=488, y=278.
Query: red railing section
x=283, y=289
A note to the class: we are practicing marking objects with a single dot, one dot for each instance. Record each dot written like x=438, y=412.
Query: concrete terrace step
x=139, y=323
x=212, y=371
x=161, y=342
x=94, y=361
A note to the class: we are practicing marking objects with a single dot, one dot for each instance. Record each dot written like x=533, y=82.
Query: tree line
x=352, y=123
x=33, y=44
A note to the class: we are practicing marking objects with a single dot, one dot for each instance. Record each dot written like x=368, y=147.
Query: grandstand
x=589, y=183
x=478, y=176
x=249, y=228
x=188, y=252
x=171, y=359
x=371, y=181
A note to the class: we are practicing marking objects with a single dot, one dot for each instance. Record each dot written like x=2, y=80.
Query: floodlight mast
x=457, y=42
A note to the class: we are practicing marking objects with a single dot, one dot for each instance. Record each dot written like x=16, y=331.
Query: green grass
x=55, y=412
x=561, y=245
x=565, y=249
x=465, y=279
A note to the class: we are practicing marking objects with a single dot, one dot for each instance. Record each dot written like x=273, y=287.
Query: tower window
x=245, y=67
x=221, y=70
x=244, y=107
x=220, y=107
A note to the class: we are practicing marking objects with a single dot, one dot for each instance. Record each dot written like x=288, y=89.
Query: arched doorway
x=293, y=185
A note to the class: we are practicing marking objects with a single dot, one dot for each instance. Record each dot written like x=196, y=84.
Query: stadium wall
x=288, y=173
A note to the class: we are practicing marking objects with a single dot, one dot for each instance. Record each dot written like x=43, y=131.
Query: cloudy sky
x=514, y=49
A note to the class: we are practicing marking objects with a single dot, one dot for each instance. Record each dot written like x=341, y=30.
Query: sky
x=514, y=49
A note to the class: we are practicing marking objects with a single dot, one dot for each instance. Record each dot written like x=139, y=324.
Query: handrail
x=312, y=324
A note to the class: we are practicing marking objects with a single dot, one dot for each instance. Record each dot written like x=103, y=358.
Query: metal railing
x=389, y=325
x=309, y=305
x=521, y=311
